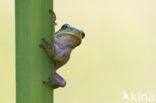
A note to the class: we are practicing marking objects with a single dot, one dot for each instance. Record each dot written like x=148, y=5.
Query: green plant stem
x=33, y=22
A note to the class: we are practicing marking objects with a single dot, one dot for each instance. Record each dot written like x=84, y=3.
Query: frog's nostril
x=83, y=34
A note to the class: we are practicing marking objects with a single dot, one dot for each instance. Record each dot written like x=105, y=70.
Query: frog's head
x=71, y=34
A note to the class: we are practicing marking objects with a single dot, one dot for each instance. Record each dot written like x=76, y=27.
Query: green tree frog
x=65, y=40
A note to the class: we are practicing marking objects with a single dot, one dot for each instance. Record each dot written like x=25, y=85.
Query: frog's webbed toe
x=47, y=47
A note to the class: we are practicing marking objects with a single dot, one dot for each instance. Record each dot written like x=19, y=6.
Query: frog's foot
x=43, y=39
x=54, y=15
x=48, y=48
x=52, y=12
x=57, y=82
x=53, y=84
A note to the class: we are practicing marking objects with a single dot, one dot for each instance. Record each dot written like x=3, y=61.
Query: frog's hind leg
x=60, y=80
x=56, y=82
x=53, y=83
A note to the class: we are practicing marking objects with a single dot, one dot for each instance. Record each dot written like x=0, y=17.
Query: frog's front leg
x=56, y=82
x=54, y=19
x=52, y=12
x=48, y=48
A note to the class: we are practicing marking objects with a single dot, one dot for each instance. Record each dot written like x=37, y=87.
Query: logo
x=138, y=97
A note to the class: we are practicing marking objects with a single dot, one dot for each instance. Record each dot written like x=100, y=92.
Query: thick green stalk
x=33, y=21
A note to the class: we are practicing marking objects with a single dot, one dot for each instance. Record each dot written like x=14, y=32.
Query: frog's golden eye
x=65, y=26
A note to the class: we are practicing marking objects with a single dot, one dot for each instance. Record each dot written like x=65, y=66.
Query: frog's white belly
x=62, y=49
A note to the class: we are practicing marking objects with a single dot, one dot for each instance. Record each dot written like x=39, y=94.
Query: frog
x=59, y=50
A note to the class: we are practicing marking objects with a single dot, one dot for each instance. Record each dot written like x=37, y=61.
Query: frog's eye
x=65, y=26
x=83, y=34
